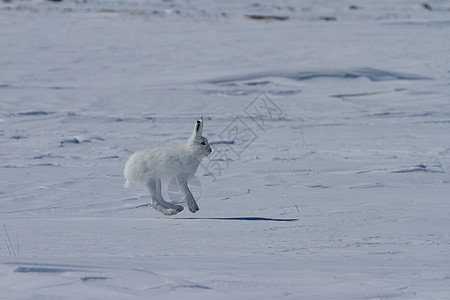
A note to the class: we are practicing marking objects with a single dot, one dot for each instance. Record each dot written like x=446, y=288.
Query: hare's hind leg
x=163, y=202
x=153, y=188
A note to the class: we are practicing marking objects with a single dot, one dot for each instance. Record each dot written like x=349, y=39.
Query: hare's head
x=199, y=143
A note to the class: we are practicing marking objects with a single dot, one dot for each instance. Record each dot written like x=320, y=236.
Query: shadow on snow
x=242, y=219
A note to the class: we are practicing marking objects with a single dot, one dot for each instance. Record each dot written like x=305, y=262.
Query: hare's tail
x=128, y=184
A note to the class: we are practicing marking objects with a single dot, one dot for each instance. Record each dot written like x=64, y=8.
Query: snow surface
x=341, y=192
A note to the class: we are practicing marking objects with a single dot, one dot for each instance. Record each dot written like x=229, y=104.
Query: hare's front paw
x=193, y=207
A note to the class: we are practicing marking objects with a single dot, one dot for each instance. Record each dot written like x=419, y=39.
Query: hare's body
x=146, y=168
x=159, y=163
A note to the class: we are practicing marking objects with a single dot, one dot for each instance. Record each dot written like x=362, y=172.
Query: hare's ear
x=198, y=129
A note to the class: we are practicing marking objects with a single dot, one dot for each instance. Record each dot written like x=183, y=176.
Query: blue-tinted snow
x=330, y=125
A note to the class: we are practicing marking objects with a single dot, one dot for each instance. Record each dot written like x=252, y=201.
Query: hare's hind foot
x=167, y=211
x=169, y=205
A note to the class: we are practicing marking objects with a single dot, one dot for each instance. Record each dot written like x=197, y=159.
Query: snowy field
x=330, y=124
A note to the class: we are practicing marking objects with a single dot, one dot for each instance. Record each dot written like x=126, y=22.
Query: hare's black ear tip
x=200, y=121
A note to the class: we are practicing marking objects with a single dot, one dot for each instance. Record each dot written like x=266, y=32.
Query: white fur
x=147, y=167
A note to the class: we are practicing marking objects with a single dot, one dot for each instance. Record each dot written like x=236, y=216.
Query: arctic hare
x=146, y=168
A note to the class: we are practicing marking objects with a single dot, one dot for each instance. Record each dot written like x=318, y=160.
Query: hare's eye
x=203, y=143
